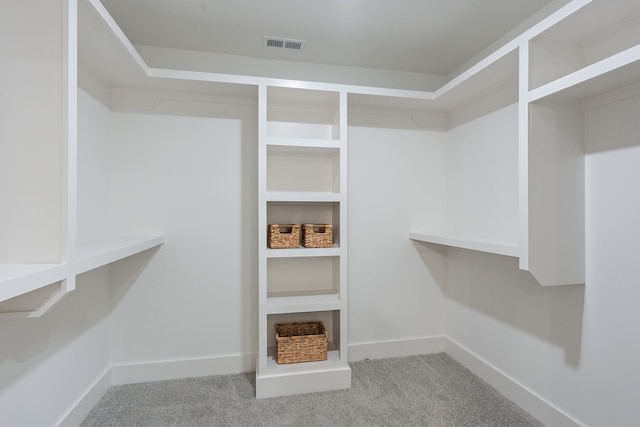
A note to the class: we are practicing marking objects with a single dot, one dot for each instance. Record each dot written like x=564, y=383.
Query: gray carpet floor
x=424, y=390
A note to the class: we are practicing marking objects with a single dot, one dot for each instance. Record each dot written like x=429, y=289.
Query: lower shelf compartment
x=333, y=358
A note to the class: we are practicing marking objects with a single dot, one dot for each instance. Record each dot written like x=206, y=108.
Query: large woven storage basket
x=317, y=235
x=280, y=236
x=301, y=342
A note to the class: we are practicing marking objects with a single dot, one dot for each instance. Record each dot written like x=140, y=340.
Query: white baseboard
x=185, y=368
x=396, y=348
x=538, y=407
x=85, y=404
x=535, y=405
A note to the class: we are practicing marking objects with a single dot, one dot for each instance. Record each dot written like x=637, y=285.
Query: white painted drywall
x=194, y=180
x=396, y=184
x=482, y=177
x=93, y=169
x=576, y=347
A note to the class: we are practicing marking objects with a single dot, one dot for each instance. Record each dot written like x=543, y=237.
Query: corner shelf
x=455, y=241
x=98, y=253
x=20, y=280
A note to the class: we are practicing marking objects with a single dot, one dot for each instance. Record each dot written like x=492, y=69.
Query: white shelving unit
x=302, y=179
x=40, y=256
x=585, y=55
x=587, y=60
x=559, y=73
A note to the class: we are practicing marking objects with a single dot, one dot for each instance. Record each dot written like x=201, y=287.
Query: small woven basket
x=317, y=235
x=301, y=342
x=282, y=236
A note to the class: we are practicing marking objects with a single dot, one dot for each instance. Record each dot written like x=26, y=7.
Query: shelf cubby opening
x=306, y=213
x=303, y=169
x=303, y=113
x=292, y=277
x=331, y=321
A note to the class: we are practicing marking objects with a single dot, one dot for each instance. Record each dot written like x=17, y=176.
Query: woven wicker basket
x=281, y=236
x=317, y=235
x=301, y=342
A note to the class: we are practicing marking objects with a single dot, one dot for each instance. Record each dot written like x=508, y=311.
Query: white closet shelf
x=306, y=196
x=301, y=251
x=18, y=279
x=611, y=73
x=292, y=143
x=301, y=303
x=332, y=362
x=97, y=253
x=457, y=241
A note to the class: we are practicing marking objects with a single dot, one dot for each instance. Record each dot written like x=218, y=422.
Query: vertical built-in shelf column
x=302, y=160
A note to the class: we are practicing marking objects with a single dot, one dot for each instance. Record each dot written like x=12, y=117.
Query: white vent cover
x=280, y=43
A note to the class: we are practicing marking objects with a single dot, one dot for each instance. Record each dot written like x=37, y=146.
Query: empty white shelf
x=95, y=254
x=306, y=196
x=460, y=242
x=302, y=142
x=278, y=303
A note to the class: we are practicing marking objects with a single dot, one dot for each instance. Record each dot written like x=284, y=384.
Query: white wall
x=575, y=347
x=93, y=169
x=396, y=184
x=192, y=179
x=482, y=177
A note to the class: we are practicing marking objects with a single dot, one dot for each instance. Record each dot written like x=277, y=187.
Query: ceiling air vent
x=281, y=43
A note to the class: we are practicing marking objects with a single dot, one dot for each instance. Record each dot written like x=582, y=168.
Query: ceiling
x=422, y=36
